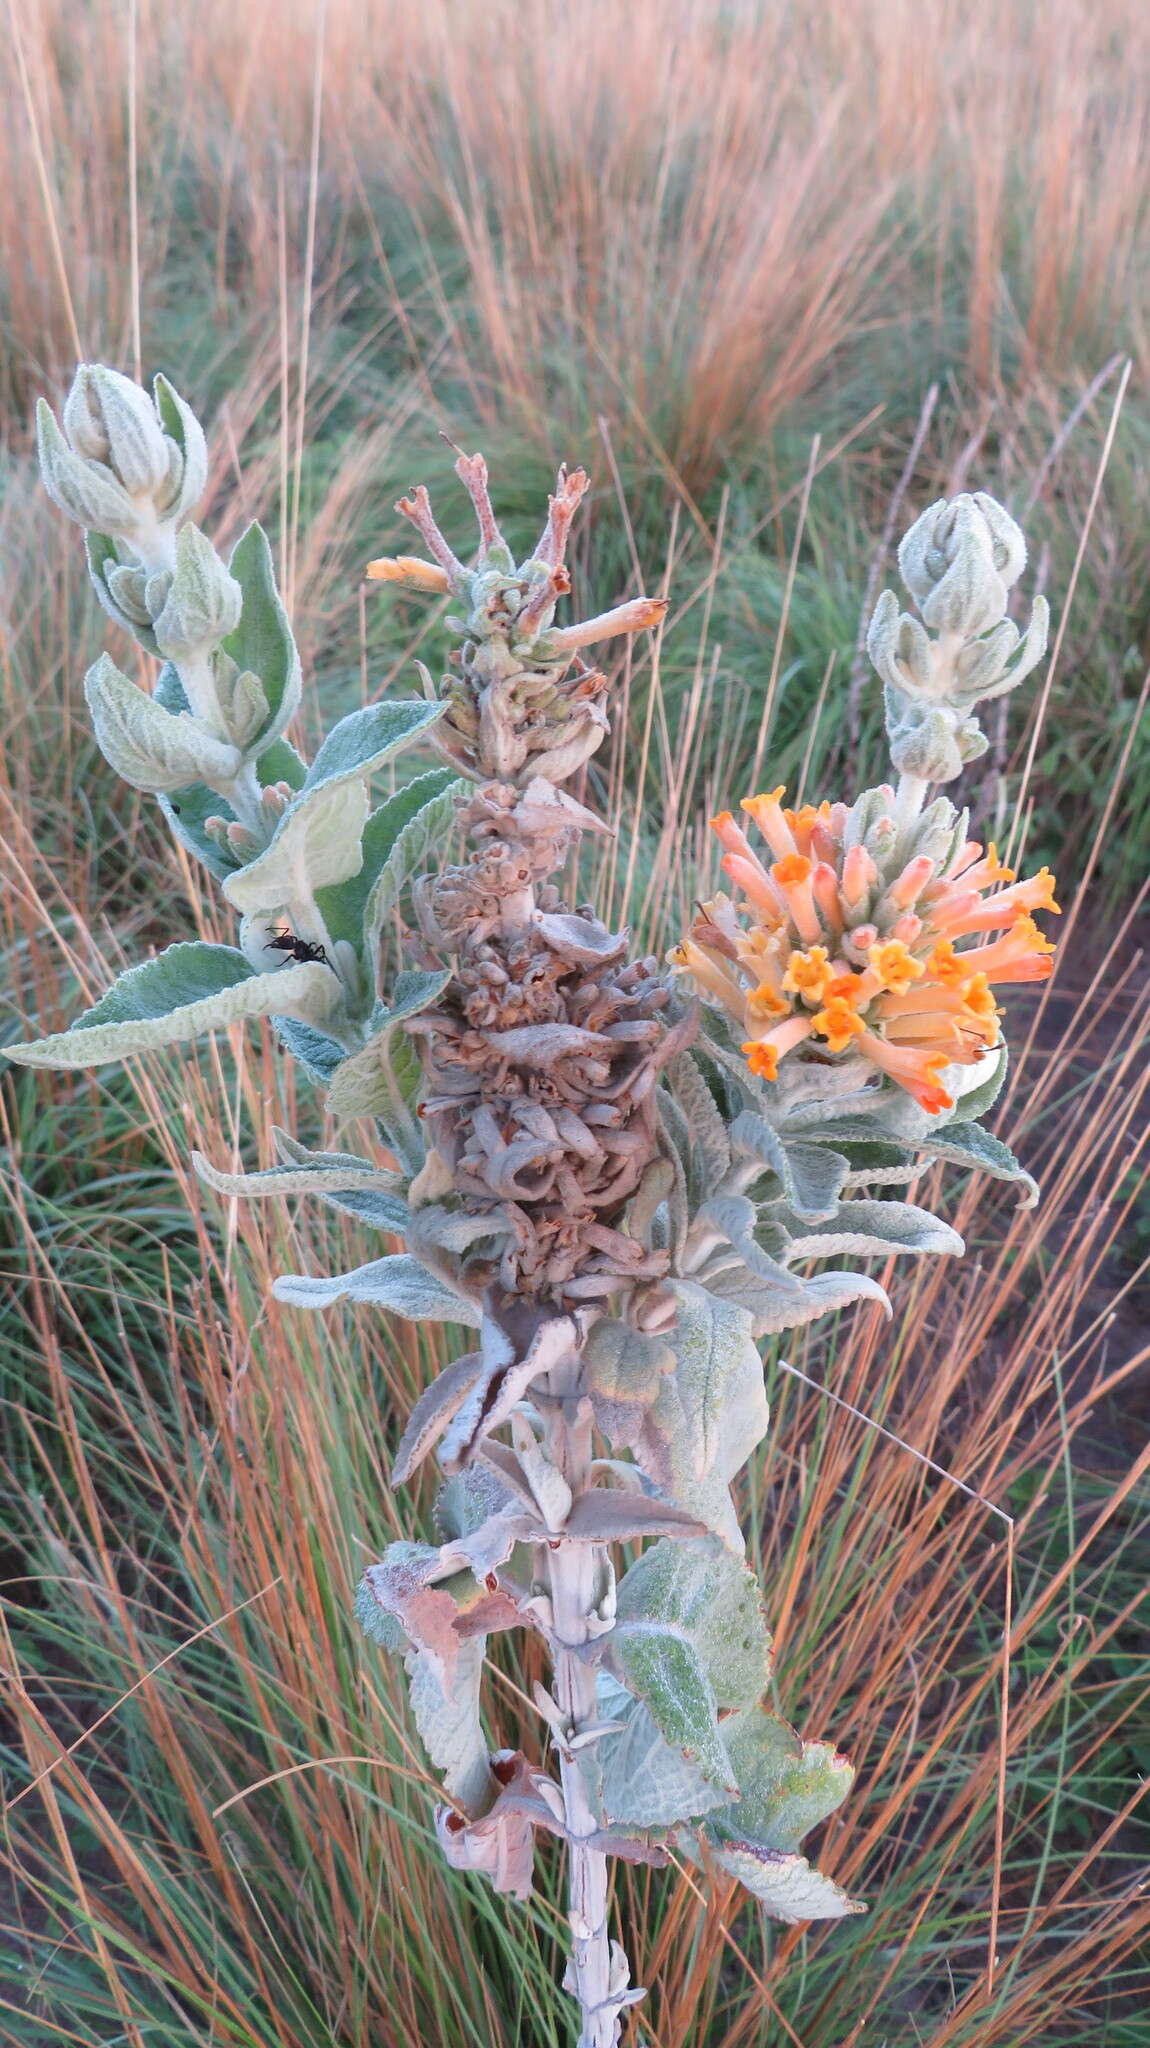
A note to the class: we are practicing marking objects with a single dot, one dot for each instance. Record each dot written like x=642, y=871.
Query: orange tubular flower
x=849, y=941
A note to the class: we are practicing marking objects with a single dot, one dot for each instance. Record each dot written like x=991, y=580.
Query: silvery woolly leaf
x=786, y=1787
x=202, y=603
x=787, y=1888
x=869, y=1229
x=369, y=1082
x=771, y=1311
x=363, y=741
x=708, y=1413
x=179, y=422
x=318, y=1055
x=511, y=1361
x=262, y=642
x=398, y=1283
x=146, y=745
x=183, y=992
x=812, y=1176
x=315, y=843
x=405, y=834
x=734, y=1219
x=967, y=1144
x=437, y=1608
x=709, y=1150
x=368, y=1191
x=698, y=1590
x=645, y=1783
x=395, y=839
x=612, y=1514
x=85, y=489
x=110, y=418
x=436, y=1407
x=449, y=1724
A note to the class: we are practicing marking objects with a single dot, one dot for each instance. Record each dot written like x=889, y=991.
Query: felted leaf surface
x=148, y=747
x=771, y=1312
x=369, y=1083
x=811, y=1176
x=787, y=1887
x=665, y=1671
x=694, y=1420
x=787, y=1787
x=967, y=1144
x=315, y=844
x=367, y=1191
x=644, y=1783
x=870, y=1229
x=397, y=829
x=412, y=837
x=449, y=1723
x=317, y=1054
x=708, y=1149
x=510, y=1363
x=398, y=1283
x=697, y=1589
x=436, y=1407
x=263, y=642
x=366, y=739
x=189, y=989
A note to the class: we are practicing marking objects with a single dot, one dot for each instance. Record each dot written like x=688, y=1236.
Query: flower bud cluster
x=959, y=561
x=129, y=466
x=126, y=464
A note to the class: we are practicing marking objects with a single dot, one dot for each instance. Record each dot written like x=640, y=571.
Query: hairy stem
x=580, y=1582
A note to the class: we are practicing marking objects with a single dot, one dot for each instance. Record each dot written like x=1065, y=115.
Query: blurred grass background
x=778, y=277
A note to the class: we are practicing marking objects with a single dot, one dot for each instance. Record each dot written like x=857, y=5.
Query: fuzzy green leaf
x=315, y=844
x=644, y=1782
x=185, y=991
x=699, y=1590
x=366, y=739
x=786, y=1787
x=400, y=830
x=263, y=642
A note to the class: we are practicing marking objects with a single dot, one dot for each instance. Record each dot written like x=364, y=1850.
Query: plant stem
x=580, y=1581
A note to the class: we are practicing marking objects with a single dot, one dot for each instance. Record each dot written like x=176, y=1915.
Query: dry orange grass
x=687, y=209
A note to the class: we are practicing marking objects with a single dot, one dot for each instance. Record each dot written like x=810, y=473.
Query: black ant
x=301, y=950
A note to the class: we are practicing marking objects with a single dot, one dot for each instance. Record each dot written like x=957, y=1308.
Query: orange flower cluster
x=852, y=949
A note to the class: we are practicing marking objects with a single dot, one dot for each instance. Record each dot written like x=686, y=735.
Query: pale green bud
x=203, y=602
x=111, y=420
x=83, y=488
x=189, y=475
x=152, y=749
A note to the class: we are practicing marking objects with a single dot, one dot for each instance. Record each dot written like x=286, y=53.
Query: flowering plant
x=618, y=1177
